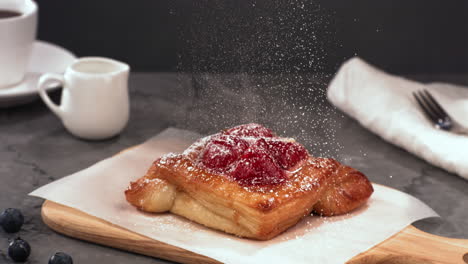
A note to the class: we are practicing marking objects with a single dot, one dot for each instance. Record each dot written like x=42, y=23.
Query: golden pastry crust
x=174, y=183
x=345, y=191
x=249, y=182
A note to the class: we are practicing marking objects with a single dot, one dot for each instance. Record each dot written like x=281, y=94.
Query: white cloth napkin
x=384, y=104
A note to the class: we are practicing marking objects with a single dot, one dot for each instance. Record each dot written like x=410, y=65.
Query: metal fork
x=437, y=114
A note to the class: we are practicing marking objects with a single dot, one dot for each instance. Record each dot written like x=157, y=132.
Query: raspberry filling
x=257, y=167
x=287, y=154
x=221, y=151
x=251, y=155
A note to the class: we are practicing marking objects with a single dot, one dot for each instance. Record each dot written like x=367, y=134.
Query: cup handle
x=42, y=84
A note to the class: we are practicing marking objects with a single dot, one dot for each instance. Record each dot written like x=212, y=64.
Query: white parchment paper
x=99, y=191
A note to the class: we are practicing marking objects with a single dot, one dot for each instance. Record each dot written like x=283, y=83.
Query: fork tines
x=432, y=109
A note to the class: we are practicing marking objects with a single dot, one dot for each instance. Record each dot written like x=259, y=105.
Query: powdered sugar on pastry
x=249, y=182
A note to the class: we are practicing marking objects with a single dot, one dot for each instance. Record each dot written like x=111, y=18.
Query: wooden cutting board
x=409, y=246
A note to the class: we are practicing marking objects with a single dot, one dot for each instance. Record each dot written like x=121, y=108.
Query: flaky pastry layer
x=174, y=184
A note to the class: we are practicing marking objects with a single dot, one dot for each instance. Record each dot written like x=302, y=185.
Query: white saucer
x=45, y=57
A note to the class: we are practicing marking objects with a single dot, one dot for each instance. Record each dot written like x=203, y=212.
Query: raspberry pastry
x=249, y=182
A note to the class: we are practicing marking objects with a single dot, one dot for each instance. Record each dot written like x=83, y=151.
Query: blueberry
x=60, y=258
x=11, y=220
x=19, y=250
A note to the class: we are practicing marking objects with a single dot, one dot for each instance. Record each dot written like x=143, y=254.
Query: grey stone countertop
x=35, y=149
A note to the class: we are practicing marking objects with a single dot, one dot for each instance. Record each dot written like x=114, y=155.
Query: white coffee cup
x=95, y=103
x=17, y=35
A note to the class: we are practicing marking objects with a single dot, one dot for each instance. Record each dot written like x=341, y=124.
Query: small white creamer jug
x=95, y=103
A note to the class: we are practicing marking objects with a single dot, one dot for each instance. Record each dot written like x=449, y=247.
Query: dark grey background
x=405, y=37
